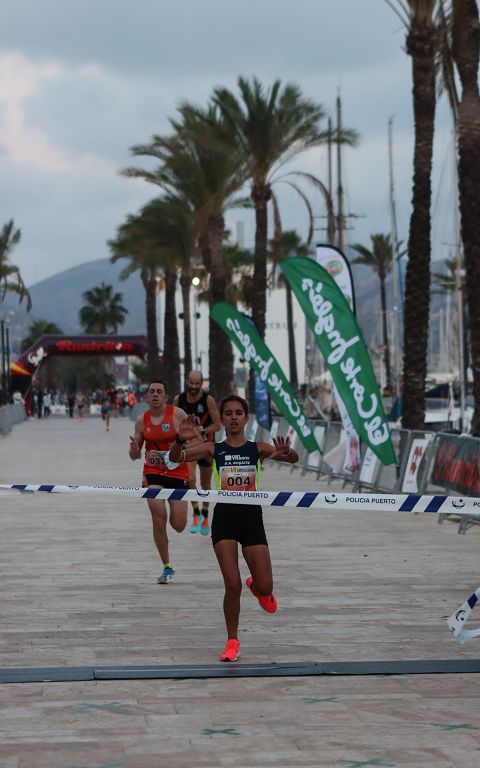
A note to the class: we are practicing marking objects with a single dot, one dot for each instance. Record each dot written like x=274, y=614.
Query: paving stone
x=77, y=588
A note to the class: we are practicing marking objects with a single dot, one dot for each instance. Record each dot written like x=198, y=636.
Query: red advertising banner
x=456, y=465
x=50, y=345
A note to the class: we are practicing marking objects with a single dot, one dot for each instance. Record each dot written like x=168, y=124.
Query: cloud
x=19, y=79
x=82, y=82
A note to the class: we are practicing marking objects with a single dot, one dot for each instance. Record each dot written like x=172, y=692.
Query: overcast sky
x=81, y=81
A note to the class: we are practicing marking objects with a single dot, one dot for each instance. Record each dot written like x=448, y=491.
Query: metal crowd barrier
x=417, y=453
x=10, y=415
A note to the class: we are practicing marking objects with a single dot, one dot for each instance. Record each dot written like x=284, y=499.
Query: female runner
x=236, y=464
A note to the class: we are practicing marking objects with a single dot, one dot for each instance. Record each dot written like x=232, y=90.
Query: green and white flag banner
x=341, y=343
x=254, y=350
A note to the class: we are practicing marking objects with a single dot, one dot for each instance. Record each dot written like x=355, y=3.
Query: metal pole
x=7, y=337
x=340, y=218
x=2, y=326
x=393, y=244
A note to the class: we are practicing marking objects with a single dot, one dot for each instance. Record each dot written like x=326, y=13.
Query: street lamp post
x=196, y=315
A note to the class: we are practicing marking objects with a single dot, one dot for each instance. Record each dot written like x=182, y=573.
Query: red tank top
x=159, y=438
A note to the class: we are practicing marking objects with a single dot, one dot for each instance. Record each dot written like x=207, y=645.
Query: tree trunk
x=154, y=364
x=220, y=347
x=171, y=350
x=292, y=353
x=421, y=47
x=468, y=128
x=260, y=194
x=186, y=284
x=386, y=346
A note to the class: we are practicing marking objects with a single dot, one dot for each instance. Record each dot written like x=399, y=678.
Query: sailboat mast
x=395, y=280
x=459, y=287
x=330, y=216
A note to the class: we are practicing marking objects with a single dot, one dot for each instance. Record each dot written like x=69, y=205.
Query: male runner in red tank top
x=158, y=429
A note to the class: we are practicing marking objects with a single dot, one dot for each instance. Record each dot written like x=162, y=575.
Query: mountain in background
x=59, y=298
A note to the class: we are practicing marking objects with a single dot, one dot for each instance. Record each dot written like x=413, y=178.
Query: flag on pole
x=257, y=354
x=341, y=343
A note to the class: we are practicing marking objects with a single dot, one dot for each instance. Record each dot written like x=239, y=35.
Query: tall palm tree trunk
x=171, y=350
x=260, y=194
x=421, y=47
x=220, y=348
x=292, y=352
x=186, y=284
x=154, y=365
x=386, y=346
x=468, y=129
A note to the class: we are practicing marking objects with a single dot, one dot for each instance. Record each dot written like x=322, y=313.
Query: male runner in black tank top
x=199, y=404
x=236, y=465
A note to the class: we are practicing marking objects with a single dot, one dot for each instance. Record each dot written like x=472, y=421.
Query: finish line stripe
x=203, y=671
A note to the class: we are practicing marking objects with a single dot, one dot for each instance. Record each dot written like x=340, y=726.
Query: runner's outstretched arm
x=187, y=431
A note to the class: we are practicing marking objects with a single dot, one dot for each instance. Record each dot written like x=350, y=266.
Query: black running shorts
x=164, y=481
x=240, y=523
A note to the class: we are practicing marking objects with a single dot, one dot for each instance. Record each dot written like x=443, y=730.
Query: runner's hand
x=282, y=448
x=135, y=449
x=187, y=429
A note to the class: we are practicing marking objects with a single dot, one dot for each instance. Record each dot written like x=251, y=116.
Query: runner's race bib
x=238, y=478
x=160, y=459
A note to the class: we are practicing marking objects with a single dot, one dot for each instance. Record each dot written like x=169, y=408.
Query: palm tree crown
x=103, y=311
x=10, y=278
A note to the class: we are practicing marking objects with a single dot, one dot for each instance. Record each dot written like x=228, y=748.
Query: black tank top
x=236, y=469
x=198, y=409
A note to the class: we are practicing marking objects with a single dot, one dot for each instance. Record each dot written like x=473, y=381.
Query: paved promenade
x=77, y=587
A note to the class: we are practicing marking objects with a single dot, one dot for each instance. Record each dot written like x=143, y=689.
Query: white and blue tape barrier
x=456, y=622
x=369, y=502
x=307, y=500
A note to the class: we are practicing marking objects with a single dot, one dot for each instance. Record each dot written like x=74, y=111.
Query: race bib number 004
x=238, y=478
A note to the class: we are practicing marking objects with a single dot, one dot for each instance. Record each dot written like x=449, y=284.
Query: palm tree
x=445, y=282
x=157, y=242
x=465, y=49
x=103, y=311
x=36, y=329
x=10, y=278
x=289, y=245
x=422, y=43
x=169, y=221
x=268, y=128
x=238, y=263
x=136, y=241
x=379, y=259
x=208, y=179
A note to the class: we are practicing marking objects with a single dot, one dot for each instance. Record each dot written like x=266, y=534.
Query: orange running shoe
x=269, y=603
x=231, y=650
x=196, y=523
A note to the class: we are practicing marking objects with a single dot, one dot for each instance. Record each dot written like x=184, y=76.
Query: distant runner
x=158, y=428
x=202, y=406
x=105, y=408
